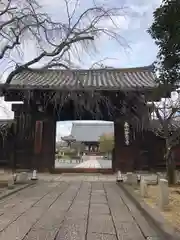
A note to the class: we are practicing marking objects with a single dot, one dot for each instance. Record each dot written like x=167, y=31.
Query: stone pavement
x=85, y=177
x=71, y=210
x=92, y=163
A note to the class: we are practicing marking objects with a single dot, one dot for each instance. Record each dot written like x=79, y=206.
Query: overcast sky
x=142, y=49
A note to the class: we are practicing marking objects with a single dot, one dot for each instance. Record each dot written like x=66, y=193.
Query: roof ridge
x=121, y=79
x=145, y=68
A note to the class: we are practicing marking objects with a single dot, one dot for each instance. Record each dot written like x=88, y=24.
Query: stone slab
x=128, y=231
x=101, y=236
x=101, y=224
x=98, y=199
x=143, y=188
x=121, y=215
x=22, y=177
x=49, y=222
x=72, y=229
x=131, y=178
x=7, y=192
x=41, y=234
x=150, y=179
x=99, y=209
x=163, y=193
x=59, y=210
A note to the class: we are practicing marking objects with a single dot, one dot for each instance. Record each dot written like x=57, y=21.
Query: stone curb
x=164, y=228
x=13, y=191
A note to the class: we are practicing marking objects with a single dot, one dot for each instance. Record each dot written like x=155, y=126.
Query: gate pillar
x=49, y=144
x=44, y=144
x=118, y=143
x=124, y=154
x=23, y=140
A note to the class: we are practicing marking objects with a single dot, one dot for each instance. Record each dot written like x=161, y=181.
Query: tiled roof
x=91, y=132
x=68, y=138
x=119, y=78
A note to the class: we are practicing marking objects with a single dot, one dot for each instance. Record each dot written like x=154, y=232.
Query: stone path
x=71, y=210
x=89, y=164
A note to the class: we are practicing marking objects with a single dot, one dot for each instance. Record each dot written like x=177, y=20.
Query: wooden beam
x=16, y=107
x=13, y=96
x=19, y=107
x=9, y=98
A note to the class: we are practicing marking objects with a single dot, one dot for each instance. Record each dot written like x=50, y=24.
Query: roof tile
x=120, y=79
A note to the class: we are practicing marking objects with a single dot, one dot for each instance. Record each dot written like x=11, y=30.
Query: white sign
x=126, y=133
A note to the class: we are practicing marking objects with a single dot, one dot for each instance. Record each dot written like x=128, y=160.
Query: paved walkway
x=71, y=210
x=91, y=162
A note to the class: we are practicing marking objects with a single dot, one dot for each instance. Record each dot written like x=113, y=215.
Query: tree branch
x=45, y=54
x=6, y=8
x=56, y=41
x=52, y=65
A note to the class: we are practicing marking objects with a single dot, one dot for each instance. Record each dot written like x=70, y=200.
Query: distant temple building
x=89, y=134
x=68, y=139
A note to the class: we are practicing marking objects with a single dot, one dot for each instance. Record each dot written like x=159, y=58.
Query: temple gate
x=47, y=96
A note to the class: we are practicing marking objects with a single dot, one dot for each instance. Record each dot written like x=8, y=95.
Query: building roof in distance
x=68, y=138
x=91, y=132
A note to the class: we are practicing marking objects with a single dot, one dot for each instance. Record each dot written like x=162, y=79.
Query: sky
x=137, y=49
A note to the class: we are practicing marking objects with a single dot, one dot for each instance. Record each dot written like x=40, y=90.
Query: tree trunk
x=170, y=165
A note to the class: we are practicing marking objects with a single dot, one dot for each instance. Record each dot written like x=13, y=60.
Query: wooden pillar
x=44, y=144
x=23, y=140
x=11, y=148
x=49, y=144
x=37, y=146
x=118, y=143
x=35, y=138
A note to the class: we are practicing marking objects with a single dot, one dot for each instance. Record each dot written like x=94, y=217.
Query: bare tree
x=101, y=63
x=167, y=117
x=57, y=44
x=23, y=21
